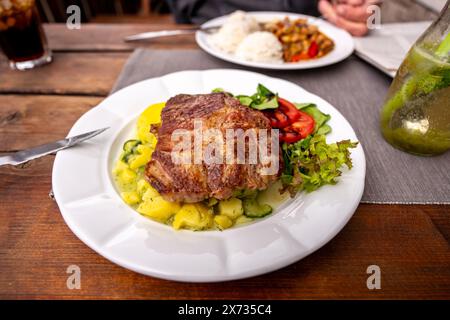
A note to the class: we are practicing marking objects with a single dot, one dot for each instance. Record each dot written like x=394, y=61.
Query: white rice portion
x=233, y=31
x=261, y=46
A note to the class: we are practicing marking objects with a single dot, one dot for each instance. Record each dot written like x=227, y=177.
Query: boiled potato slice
x=193, y=216
x=120, y=166
x=150, y=193
x=127, y=176
x=142, y=186
x=130, y=197
x=158, y=208
x=232, y=208
x=222, y=221
x=243, y=220
x=126, y=180
x=151, y=115
x=142, y=158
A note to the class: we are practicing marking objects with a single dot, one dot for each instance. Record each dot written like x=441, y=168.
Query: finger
x=357, y=2
x=358, y=14
x=327, y=10
x=350, y=2
x=357, y=29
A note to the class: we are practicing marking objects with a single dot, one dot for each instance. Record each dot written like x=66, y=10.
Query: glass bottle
x=416, y=113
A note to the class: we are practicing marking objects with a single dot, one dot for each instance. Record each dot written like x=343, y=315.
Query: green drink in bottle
x=416, y=114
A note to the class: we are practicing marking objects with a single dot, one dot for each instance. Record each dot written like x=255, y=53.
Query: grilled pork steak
x=193, y=182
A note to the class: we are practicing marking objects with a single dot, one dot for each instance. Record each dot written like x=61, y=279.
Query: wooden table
x=410, y=243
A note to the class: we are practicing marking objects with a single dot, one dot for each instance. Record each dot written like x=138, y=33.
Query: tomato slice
x=282, y=118
x=289, y=110
x=303, y=126
x=294, y=124
x=277, y=119
x=289, y=137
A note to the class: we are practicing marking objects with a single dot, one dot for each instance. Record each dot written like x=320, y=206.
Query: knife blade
x=26, y=155
x=168, y=33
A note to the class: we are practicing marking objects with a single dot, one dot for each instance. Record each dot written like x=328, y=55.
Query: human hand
x=350, y=15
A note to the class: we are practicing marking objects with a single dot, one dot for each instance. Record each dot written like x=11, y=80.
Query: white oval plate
x=343, y=41
x=92, y=208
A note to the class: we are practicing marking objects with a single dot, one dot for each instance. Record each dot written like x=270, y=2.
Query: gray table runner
x=357, y=90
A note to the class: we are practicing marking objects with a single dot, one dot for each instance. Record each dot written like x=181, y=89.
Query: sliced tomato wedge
x=277, y=119
x=303, y=126
x=288, y=109
x=294, y=124
x=290, y=137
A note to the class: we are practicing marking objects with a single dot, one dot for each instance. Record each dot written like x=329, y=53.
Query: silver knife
x=49, y=148
x=168, y=33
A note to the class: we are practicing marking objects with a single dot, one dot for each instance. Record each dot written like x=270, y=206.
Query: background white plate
x=343, y=41
x=94, y=211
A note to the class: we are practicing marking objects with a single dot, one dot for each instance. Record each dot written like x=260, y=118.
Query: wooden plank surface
x=109, y=37
x=410, y=243
x=36, y=247
x=70, y=73
x=31, y=120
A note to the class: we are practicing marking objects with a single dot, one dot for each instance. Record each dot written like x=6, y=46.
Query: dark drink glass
x=22, y=38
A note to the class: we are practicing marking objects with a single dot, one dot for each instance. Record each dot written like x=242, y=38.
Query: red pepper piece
x=299, y=56
x=313, y=49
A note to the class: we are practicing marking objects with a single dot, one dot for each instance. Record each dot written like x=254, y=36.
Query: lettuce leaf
x=262, y=99
x=320, y=118
x=312, y=163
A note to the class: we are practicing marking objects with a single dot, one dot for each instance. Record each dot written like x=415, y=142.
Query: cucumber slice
x=130, y=145
x=211, y=202
x=245, y=193
x=253, y=209
x=129, y=148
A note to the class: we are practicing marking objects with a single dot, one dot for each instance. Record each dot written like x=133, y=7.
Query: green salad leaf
x=263, y=99
x=301, y=106
x=320, y=118
x=264, y=104
x=311, y=163
x=245, y=100
x=263, y=92
x=217, y=90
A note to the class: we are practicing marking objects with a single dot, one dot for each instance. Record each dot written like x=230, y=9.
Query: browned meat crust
x=196, y=182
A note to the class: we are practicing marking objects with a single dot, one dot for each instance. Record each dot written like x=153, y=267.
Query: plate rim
x=214, y=278
x=274, y=66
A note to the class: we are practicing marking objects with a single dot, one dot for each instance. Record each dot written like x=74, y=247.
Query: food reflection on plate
x=179, y=169
x=277, y=41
